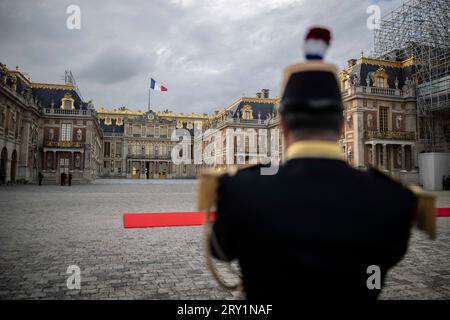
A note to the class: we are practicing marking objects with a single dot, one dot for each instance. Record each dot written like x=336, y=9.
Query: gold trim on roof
x=121, y=111
x=379, y=62
x=109, y=118
x=52, y=86
x=386, y=63
x=182, y=115
x=18, y=73
x=249, y=99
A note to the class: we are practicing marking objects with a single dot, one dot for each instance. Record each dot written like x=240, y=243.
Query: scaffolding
x=70, y=79
x=420, y=29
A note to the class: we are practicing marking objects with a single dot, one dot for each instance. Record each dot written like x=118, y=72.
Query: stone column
x=168, y=170
x=128, y=169
x=44, y=161
x=8, y=169
x=374, y=154
x=54, y=161
x=358, y=138
x=385, y=157
x=142, y=170
x=413, y=158
x=403, y=158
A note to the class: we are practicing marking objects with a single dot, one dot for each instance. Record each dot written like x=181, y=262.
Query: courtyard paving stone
x=45, y=229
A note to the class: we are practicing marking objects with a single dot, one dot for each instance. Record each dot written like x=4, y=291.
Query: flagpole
x=149, y=91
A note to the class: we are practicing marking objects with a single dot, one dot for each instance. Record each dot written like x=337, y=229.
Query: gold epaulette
x=208, y=185
x=426, y=211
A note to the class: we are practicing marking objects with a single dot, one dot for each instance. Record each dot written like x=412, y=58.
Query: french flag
x=156, y=86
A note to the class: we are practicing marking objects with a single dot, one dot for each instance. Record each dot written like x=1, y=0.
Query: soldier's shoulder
x=250, y=173
x=422, y=200
x=214, y=182
x=384, y=177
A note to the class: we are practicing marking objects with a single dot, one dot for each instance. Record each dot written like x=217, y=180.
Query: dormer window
x=67, y=102
x=380, y=82
x=381, y=78
x=247, y=112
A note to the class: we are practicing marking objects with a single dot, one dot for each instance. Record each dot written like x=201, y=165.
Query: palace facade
x=380, y=116
x=139, y=144
x=49, y=128
x=46, y=128
x=246, y=132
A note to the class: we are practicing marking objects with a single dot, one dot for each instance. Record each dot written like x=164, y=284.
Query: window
x=106, y=149
x=380, y=82
x=150, y=149
x=118, y=149
x=67, y=102
x=383, y=118
x=150, y=131
x=66, y=132
x=137, y=130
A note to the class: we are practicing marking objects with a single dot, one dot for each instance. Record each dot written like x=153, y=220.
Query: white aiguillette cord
x=209, y=237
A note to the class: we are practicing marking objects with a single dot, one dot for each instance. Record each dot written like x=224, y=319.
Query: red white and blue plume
x=316, y=44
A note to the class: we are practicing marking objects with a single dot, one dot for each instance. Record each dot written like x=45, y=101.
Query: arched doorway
x=13, y=166
x=3, y=163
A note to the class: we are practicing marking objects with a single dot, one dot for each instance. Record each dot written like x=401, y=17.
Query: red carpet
x=443, y=212
x=179, y=219
x=163, y=219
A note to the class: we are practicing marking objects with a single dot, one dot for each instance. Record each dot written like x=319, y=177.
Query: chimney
x=258, y=94
x=265, y=93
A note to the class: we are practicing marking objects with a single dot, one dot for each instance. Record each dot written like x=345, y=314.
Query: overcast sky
x=207, y=52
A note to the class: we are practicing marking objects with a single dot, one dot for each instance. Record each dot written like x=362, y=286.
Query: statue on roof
x=354, y=80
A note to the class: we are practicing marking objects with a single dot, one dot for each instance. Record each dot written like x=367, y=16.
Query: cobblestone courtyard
x=43, y=230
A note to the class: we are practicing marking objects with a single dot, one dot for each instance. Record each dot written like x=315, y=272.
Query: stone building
x=139, y=144
x=380, y=116
x=70, y=134
x=245, y=132
x=49, y=128
x=46, y=128
x=19, y=128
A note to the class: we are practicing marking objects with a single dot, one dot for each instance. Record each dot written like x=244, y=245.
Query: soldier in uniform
x=315, y=228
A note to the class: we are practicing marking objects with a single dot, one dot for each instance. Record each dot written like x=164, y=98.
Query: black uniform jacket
x=313, y=229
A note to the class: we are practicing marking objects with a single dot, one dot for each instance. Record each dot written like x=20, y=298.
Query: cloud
x=207, y=52
x=113, y=64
